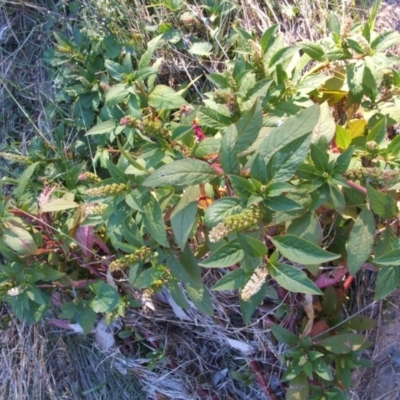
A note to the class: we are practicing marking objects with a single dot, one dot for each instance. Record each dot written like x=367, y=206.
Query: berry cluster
x=254, y=284
x=129, y=259
x=107, y=190
x=15, y=158
x=89, y=177
x=235, y=223
x=258, y=62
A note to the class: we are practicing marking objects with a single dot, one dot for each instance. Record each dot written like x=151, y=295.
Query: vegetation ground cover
x=217, y=174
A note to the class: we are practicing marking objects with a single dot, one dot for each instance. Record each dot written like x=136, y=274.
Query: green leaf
x=87, y=319
x=292, y=279
x=251, y=246
x=248, y=127
x=307, y=227
x=299, y=388
x=49, y=274
x=116, y=94
x=248, y=307
x=319, y=158
x=302, y=251
x=229, y=160
x=200, y=298
x=154, y=221
x=314, y=50
x=355, y=75
x=104, y=127
x=344, y=343
x=334, y=24
x=381, y=203
x=268, y=37
x=117, y=71
x=201, y=49
x=360, y=323
x=186, y=269
x=320, y=367
x=385, y=41
x=243, y=187
x=343, y=161
x=106, y=299
x=283, y=335
x=177, y=294
x=164, y=98
x=187, y=172
x=213, y=119
x=232, y=280
x=325, y=127
x=148, y=54
x=343, y=137
x=378, y=131
x=221, y=209
x=390, y=258
x=225, y=256
x=148, y=277
x=57, y=205
x=183, y=218
x=282, y=204
x=24, y=179
x=361, y=241
x=19, y=239
x=387, y=281
x=208, y=146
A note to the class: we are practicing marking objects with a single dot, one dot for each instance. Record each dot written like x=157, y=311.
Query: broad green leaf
x=164, y=98
x=248, y=127
x=387, y=281
x=227, y=255
x=314, y=50
x=248, y=307
x=201, y=48
x=283, y=163
x=103, y=127
x=268, y=37
x=385, y=41
x=343, y=137
x=394, y=146
x=251, y=246
x=183, y=218
x=320, y=367
x=148, y=54
x=334, y=24
x=229, y=160
x=343, y=161
x=283, y=335
x=19, y=239
x=117, y=71
x=187, y=172
x=281, y=55
x=301, y=251
x=106, y=299
x=221, y=209
x=355, y=75
x=299, y=388
x=200, y=298
x=206, y=147
x=116, y=94
x=307, y=227
x=213, y=119
x=390, y=258
x=177, y=294
x=292, y=279
x=186, y=269
x=24, y=179
x=378, y=131
x=381, y=203
x=360, y=323
x=319, y=157
x=243, y=187
x=148, y=277
x=86, y=319
x=232, y=280
x=336, y=197
x=57, y=205
x=325, y=126
x=344, y=343
x=154, y=221
x=282, y=204
x=361, y=241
